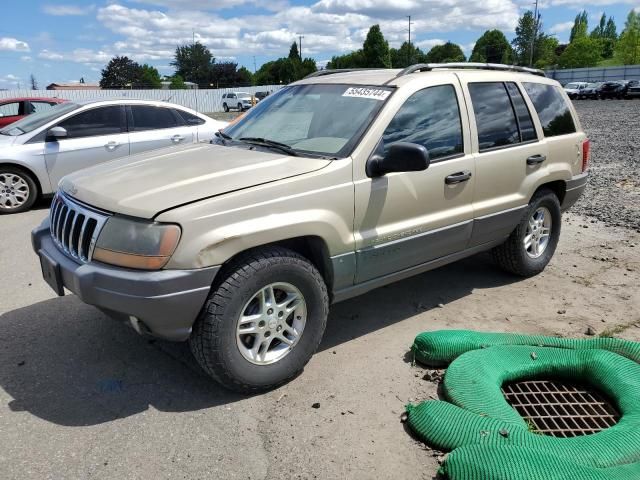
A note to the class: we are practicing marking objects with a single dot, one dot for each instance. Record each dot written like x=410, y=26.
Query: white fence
x=206, y=101
x=602, y=74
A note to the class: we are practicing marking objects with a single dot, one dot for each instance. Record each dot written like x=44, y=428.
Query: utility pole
x=254, y=64
x=193, y=37
x=409, y=52
x=300, y=49
x=535, y=34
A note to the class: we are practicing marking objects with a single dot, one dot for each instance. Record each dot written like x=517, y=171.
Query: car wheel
x=225, y=107
x=18, y=190
x=239, y=107
x=262, y=321
x=530, y=247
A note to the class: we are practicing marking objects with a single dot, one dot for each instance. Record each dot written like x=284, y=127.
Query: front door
x=93, y=136
x=407, y=219
x=152, y=127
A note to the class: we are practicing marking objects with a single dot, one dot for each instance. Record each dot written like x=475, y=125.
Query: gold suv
x=331, y=187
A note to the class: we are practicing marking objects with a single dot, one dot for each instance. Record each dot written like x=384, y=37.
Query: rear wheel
x=530, y=247
x=18, y=190
x=262, y=323
x=239, y=107
x=225, y=107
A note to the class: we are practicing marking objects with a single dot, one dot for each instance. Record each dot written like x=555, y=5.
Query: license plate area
x=51, y=273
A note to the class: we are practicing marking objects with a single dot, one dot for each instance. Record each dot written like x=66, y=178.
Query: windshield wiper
x=265, y=142
x=223, y=136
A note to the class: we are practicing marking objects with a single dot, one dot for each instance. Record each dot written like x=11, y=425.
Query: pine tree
x=375, y=49
x=580, y=26
x=294, y=54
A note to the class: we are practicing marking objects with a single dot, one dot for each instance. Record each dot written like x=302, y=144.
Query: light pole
x=300, y=52
x=409, y=52
x=535, y=34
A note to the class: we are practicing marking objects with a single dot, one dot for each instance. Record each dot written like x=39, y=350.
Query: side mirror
x=57, y=133
x=401, y=157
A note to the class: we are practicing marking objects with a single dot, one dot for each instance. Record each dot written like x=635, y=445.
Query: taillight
x=586, y=154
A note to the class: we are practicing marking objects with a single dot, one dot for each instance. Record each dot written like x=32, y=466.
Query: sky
x=62, y=41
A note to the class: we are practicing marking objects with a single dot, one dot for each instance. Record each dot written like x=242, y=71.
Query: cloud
x=67, y=10
x=561, y=27
x=79, y=55
x=14, y=45
x=26, y=58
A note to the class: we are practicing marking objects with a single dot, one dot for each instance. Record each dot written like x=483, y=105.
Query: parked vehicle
x=37, y=151
x=333, y=186
x=574, y=89
x=590, y=91
x=237, y=101
x=633, y=89
x=609, y=90
x=261, y=95
x=13, y=109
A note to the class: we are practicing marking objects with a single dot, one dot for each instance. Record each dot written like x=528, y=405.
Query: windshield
x=572, y=85
x=325, y=119
x=37, y=120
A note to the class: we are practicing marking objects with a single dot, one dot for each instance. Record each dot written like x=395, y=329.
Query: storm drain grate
x=560, y=409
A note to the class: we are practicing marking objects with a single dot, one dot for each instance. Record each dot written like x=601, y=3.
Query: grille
x=75, y=227
x=560, y=409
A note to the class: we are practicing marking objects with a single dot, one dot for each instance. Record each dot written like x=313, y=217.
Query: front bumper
x=163, y=303
x=575, y=188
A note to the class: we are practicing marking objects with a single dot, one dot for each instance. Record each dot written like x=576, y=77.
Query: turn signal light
x=586, y=154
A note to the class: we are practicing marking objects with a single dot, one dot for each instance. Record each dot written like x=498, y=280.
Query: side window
x=523, y=115
x=495, y=119
x=10, y=109
x=37, y=107
x=189, y=119
x=553, y=111
x=151, y=118
x=430, y=117
x=94, y=122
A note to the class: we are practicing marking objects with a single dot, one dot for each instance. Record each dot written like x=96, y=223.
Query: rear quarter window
x=553, y=111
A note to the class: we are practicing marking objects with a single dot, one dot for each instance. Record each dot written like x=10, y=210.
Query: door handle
x=458, y=177
x=177, y=138
x=111, y=145
x=536, y=159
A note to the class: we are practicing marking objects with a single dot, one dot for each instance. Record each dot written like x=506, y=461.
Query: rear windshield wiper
x=265, y=142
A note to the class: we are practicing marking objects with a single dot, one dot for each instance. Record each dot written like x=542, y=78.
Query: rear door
x=152, y=127
x=510, y=156
x=94, y=136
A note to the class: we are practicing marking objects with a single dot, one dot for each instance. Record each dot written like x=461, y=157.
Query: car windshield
x=37, y=120
x=243, y=95
x=572, y=85
x=320, y=119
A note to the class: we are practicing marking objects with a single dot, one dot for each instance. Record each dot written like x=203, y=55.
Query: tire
x=222, y=351
x=513, y=256
x=225, y=107
x=239, y=107
x=18, y=190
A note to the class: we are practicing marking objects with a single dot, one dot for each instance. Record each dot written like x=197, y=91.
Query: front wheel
x=262, y=322
x=530, y=247
x=225, y=107
x=239, y=107
x=18, y=190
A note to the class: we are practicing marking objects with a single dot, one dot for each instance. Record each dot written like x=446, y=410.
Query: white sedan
x=37, y=151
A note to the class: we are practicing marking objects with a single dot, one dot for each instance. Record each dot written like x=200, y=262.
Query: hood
x=146, y=184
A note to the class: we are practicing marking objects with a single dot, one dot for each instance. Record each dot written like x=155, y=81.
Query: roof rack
x=427, y=67
x=322, y=73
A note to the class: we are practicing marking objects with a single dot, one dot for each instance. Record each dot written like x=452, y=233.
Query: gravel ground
x=613, y=193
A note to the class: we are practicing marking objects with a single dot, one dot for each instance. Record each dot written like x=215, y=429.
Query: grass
x=618, y=329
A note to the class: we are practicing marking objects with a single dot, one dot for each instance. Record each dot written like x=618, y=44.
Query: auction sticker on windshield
x=364, y=92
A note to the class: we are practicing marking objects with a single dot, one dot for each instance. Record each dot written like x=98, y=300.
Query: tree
x=492, y=47
x=120, y=72
x=628, y=47
x=308, y=67
x=177, y=83
x=245, y=77
x=149, y=77
x=606, y=35
x=348, y=60
x=193, y=63
x=548, y=52
x=294, y=54
x=529, y=39
x=34, y=82
x=582, y=52
x=580, y=26
x=449, y=52
x=375, y=49
x=406, y=55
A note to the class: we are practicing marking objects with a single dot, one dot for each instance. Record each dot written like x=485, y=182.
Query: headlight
x=136, y=243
